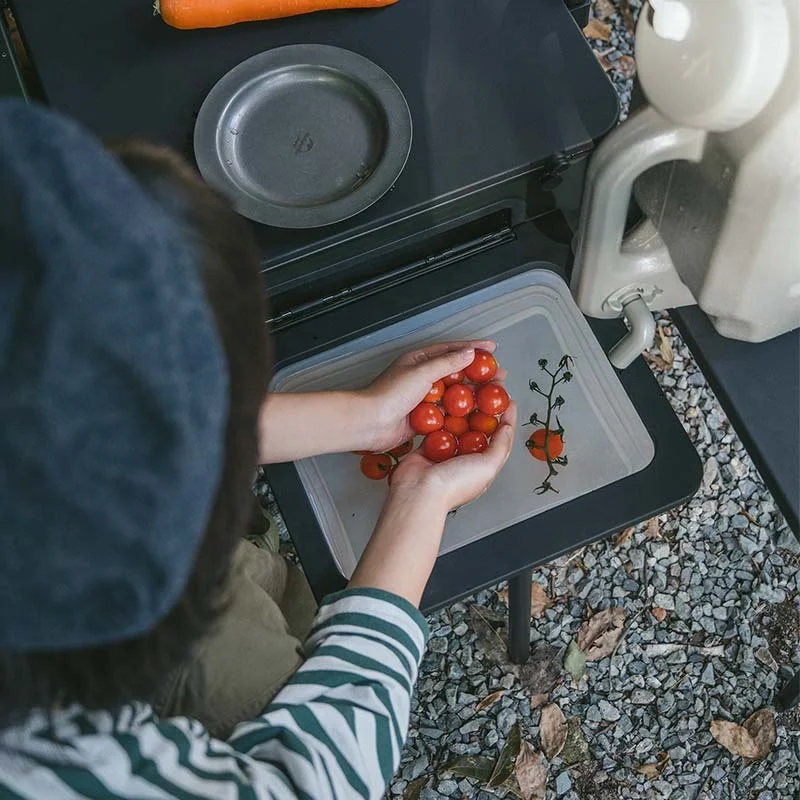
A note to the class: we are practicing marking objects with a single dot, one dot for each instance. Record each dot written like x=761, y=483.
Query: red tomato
x=492, y=399
x=439, y=446
x=485, y=423
x=435, y=394
x=377, y=466
x=402, y=449
x=362, y=452
x=472, y=442
x=453, y=378
x=456, y=425
x=458, y=400
x=536, y=444
x=483, y=367
x=426, y=418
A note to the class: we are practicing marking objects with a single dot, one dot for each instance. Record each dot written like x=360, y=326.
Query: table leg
x=519, y=616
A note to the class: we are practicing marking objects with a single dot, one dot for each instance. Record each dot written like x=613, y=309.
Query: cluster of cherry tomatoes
x=458, y=418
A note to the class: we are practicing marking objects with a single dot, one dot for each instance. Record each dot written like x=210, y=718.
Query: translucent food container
x=532, y=317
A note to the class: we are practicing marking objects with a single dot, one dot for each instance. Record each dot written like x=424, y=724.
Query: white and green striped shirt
x=334, y=731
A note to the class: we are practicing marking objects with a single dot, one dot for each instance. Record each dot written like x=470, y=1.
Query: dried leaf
x=542, y=671
x=653, y=529
x=506, y=760
x=415, y=787
x=575, y=662
x=599, y=635
x=575, y=748
x=656, y=361
x=626, y=65
x=502, y=595
x=659, y=613
x=540, y=600
x=652, y=771
x=552, y=730
x=603, y=59
x=627, y=15
x=752, y=739
x=604, y=9
x=623, y=537
x=537, y=701
x=665, y=348
x=492, y=643
x=597, y=30
x=489, y=699
x=531, y=773
x=479, y=768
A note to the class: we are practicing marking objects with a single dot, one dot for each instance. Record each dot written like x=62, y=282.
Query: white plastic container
x=532, y=316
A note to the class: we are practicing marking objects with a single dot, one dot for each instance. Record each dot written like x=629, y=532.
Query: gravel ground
x=710, y=595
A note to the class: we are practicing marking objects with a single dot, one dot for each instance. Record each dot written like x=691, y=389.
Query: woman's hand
x=462, y=479
x=401, y=552
x=403, y=386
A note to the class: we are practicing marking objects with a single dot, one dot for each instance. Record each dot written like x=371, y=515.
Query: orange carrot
x=217, y=13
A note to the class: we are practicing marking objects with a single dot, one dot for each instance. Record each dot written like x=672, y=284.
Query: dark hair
x=136, y=669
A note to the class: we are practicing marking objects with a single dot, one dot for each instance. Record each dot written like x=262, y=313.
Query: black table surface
x=671, y=478
x=493, y=87
x=758, y=385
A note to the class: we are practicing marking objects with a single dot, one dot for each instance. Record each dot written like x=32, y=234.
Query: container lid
x=540, y=334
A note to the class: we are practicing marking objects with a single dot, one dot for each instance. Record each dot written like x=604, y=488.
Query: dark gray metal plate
x=303, y=136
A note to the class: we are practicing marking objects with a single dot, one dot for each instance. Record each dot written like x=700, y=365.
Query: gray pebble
x=563, y=783
x=607, y=711
x=437, y=644
x=665, y=601
x=642, y=697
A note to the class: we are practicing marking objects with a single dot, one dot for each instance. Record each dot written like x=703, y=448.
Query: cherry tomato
x=426, y=418
x=453, y=378
x=456, y=425
x=472, y=442
x=439, y=446
x=536, y=444
x=402, y=449
x=435, y=394
x=377, y=466
x=458, y=400
x=492, y=399
x=362, y=452
x=483, y=367
x=485, y=423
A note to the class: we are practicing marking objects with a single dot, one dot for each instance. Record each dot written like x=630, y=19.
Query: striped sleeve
x=338, y=727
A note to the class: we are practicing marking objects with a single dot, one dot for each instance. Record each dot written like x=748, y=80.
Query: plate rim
x=369, y=75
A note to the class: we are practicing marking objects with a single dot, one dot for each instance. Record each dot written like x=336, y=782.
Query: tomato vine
x=550, y=446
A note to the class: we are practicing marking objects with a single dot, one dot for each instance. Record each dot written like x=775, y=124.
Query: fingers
x=434, y=350
x=503, y=439
x=439, y=366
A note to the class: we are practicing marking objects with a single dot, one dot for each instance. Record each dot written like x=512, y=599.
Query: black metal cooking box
x=507, y=102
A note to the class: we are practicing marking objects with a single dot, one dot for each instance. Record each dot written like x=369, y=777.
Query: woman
x=133, y=372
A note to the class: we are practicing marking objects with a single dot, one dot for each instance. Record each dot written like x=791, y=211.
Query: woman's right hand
x=462, y=479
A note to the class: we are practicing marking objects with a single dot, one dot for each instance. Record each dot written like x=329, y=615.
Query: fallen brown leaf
x=540, y=600
x=653, y=529
x=626, y=66
x=537, y=701
x=531, y=773
x=623, y=537
x=603, y=58
x=502, y=595
x=656, y=361
x=665, y=348
x=603, y=9
x=542, y=671
x=652, y=771
x=597, y=30
x=627, y=15
x=598, y=636
x=490, y=699
x=492, y=643
x=552, y=730
x=659, y=613
x=414, y=789
x=752, y=739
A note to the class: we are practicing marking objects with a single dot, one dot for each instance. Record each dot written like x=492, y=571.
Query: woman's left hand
x=403, y=386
